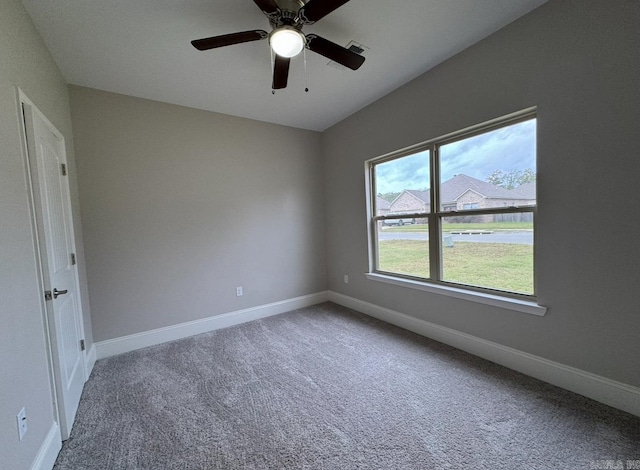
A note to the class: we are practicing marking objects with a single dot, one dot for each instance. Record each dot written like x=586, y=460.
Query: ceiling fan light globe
x=286, y=42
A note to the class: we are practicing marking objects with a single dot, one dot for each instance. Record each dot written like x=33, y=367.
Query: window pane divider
x=435, y=253
x=413, y=215
x=488, y=210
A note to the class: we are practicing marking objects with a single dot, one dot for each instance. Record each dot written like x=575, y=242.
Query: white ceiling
x=142, y=48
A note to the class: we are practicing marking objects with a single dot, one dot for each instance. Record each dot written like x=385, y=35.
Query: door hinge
x=47, y=295
x=64, y=169
x=82, y=348
x=73, y=258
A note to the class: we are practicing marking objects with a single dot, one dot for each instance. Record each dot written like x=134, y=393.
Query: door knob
x=57, y=292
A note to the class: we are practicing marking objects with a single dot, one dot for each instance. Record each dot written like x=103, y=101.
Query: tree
x=511, y=179
x=389, y=197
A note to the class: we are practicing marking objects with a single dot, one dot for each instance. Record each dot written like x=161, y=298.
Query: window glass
x=494, y=251
x=403, y=249
x=493, y=169
x=402, y=185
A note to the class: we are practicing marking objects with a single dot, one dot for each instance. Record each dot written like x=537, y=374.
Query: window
x=471, y=200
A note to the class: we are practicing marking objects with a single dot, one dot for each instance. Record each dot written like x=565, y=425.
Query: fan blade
x=268, y=7
x=280, y=72
x=229, y=39
x=318, y=9
x=333, y=51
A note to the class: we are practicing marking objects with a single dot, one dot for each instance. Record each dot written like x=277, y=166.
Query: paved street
x=520, y=237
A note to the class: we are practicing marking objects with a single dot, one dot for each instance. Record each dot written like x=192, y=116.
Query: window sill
x=517, y=305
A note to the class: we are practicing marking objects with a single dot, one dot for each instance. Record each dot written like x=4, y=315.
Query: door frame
x=38, y=241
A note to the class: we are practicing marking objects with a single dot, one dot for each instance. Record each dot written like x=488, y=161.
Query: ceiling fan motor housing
x=288, y=14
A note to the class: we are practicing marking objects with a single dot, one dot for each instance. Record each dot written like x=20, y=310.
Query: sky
x=508, y=148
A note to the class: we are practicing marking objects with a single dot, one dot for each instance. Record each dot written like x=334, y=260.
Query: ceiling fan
x=287, y=17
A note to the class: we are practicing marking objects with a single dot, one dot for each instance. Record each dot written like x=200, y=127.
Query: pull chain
x=306, y=75
x=273, y=66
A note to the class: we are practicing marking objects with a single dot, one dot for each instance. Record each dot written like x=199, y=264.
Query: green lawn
x=495, y=265
x=494, y=226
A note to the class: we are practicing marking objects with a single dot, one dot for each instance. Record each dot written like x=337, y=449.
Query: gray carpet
x=328, y=388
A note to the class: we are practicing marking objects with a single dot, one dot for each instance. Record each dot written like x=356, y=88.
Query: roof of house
x=424, y=196
x=455, y=187
x=382, y=204
x=526, y=190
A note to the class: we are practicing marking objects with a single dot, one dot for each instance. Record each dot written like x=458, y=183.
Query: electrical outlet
x=239, y=291
x=22, y=423
x=346, y=279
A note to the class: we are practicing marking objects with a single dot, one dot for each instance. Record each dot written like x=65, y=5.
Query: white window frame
x=435, y=283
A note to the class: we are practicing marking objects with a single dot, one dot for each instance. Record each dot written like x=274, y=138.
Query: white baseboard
x=90, y=360
x=616, y=394
x=123, y=344
x=49, y=450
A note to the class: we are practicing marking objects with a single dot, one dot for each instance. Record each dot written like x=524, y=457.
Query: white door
x=47, y=164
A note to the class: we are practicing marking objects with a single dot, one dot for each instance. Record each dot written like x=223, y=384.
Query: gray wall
x=180, y=206
x=578, y=62
x=24, y=380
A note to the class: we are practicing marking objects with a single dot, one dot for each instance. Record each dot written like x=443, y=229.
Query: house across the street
x=462, y=193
